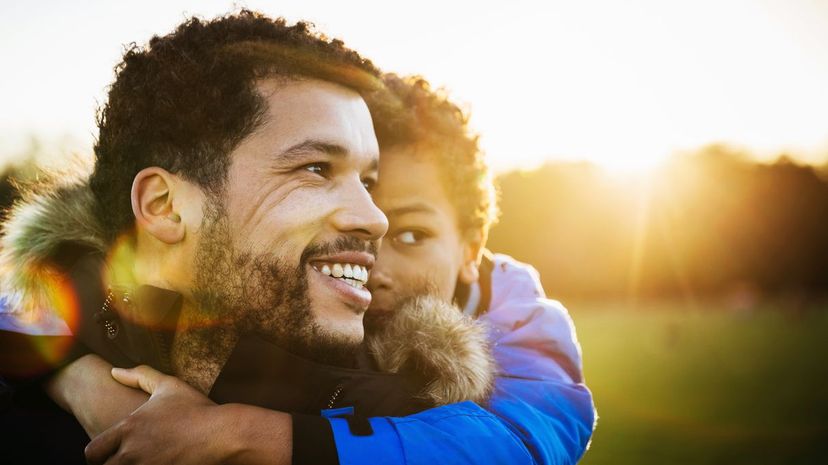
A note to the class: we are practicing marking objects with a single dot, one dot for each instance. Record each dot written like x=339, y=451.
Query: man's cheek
x=301, y=213
x=285, y=237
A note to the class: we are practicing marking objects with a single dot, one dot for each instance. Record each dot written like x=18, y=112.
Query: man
x=433, y=423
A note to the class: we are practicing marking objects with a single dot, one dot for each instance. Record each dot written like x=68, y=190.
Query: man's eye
x=409, y=237
x=317, y=168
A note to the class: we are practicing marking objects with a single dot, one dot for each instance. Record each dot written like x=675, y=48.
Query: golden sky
x=623, y=84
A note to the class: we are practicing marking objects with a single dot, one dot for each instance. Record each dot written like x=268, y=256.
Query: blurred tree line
x=708, y=224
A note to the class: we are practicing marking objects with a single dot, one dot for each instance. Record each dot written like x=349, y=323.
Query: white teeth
x=355, y=275
x=354, y=283
x=360, y=273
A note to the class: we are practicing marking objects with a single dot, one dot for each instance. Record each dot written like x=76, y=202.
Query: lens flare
x=46, y=322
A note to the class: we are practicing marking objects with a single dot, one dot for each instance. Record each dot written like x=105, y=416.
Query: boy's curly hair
x=412, y=118
x=187, y=99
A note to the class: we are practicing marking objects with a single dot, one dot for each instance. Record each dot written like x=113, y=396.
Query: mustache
x=340, y=244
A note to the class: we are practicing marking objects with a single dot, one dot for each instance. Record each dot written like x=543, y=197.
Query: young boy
x=438, y=196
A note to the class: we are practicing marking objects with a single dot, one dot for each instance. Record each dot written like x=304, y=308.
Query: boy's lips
x=382, y=301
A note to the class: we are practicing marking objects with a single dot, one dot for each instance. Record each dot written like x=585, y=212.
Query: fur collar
x=427, y=338
x=37, y=225
x=433, y=340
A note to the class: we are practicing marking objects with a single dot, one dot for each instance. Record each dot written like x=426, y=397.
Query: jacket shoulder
x=533, y=336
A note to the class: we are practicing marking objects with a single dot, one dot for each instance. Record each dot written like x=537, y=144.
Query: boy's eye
x=409, y=237
x=369, y=184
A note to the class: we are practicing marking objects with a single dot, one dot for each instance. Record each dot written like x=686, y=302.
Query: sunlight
x=644, y=198
x=627, y=87
x=630, y=162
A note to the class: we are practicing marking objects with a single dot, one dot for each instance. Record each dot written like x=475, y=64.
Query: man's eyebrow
x=418, y=207
x=310, y=146
x=313, y=146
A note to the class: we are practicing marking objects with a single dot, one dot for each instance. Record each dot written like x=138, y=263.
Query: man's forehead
x=310, y=112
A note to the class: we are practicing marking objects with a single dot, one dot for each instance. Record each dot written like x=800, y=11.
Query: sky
x=622, y=84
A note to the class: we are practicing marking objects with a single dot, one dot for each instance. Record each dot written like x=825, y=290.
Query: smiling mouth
x=350, y=273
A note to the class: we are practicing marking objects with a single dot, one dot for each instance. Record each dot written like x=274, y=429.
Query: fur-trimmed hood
x=434, y=340
x=427, y=338
x=37, y=225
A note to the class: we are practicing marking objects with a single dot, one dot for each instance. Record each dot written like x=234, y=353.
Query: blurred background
x=664, y=165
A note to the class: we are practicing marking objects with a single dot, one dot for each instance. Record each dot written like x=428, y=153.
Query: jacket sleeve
x=540, y=411
x=527, y=422
x=31, y=349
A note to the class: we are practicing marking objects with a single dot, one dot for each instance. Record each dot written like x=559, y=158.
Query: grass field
x=677, y=386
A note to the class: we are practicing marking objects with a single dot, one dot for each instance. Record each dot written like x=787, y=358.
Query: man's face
x=296, y=209
x=424, y=249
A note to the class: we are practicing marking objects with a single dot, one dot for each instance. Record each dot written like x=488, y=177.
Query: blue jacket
x=541, y=412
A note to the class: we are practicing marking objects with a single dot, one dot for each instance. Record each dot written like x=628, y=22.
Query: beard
x=262, y=294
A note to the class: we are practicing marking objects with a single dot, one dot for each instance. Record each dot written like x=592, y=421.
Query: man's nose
x=358, y=215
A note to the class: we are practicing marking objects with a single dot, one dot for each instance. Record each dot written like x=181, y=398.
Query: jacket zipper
x=335, y=395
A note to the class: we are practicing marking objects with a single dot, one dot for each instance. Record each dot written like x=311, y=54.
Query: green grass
x=675, y=386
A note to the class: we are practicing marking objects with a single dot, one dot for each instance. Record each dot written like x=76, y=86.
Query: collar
x=261, y=373
x=125, y=326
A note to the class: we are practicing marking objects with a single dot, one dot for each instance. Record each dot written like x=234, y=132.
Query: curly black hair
x=413, y=119
x=187, y=99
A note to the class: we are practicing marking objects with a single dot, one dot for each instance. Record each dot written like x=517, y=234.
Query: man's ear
x=473, y=242
x=153, y=191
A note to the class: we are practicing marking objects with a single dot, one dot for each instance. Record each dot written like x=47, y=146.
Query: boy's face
x=424, y=250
